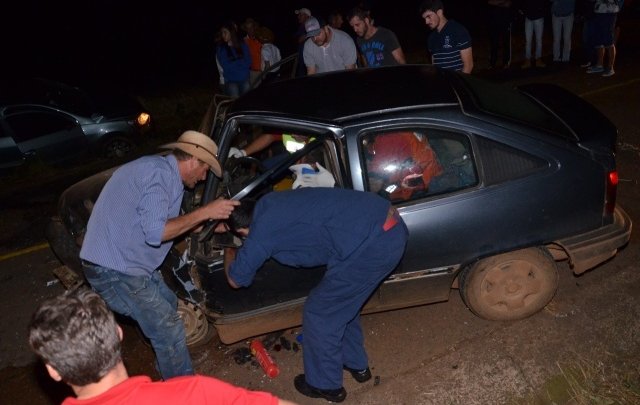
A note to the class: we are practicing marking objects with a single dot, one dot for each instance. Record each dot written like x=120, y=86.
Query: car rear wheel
x=197, y=329
x=510, y=286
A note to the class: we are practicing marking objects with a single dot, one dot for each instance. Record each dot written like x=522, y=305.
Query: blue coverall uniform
x=357, y=235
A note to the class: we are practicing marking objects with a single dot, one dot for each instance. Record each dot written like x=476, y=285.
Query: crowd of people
x=352, y=40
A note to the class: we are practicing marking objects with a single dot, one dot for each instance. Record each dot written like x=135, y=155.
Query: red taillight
x=612, y=187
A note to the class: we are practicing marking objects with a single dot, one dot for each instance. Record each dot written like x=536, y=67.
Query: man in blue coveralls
x=358, y=235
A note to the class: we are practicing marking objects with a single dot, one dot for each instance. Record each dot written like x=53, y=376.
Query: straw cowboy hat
x=200, y=146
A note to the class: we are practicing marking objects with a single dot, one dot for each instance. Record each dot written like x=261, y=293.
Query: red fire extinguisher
x=266, y=362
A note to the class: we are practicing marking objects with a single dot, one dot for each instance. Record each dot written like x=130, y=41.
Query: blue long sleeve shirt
x=126, y=225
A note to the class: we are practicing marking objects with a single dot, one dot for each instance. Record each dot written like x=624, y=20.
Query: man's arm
x=311, y=70
x=467, y=60
x=218, y=209
x=398, y=55
x=229, y=257
x=260, y=143
x=348, y=67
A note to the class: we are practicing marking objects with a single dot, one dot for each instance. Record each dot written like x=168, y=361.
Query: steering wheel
x=207, y=231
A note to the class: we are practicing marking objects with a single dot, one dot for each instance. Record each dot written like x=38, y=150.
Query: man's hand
x=219, y=209
x=229, y=257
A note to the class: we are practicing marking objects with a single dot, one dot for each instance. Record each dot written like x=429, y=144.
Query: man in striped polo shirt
x=449, y=43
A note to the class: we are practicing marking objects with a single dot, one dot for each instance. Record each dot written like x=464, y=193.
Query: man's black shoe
x=301, y=385
x=359, y=375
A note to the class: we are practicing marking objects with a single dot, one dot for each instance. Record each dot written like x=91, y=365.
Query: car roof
x=338, y=96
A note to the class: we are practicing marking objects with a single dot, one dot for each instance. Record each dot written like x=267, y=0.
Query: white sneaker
x=608, y=73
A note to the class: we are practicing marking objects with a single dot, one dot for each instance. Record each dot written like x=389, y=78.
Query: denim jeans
x=236, y=89
x=149, y=301
x=562, y=28
x=531, y=27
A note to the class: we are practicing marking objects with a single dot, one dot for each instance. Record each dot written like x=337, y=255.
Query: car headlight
x=143, y=119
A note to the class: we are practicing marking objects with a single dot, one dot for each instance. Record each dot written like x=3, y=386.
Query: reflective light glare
x=391, y=188
x=391, y=168
x=613, y=178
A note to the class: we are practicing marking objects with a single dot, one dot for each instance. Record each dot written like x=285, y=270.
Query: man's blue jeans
x=533, y=27
x=149, y=301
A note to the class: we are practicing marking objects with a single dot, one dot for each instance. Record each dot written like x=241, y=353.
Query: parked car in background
x=496, y=185
x=54, y=122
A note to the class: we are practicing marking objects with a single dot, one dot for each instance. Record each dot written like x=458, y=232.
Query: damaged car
x=496, y=184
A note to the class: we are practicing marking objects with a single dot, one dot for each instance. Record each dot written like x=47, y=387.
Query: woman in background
x=233, y=59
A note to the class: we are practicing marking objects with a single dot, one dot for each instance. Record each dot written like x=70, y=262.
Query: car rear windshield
x=507, y=102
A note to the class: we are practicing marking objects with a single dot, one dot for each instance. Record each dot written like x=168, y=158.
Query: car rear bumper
x=589, y=249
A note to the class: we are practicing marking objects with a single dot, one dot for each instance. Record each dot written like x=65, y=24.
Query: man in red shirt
x=76, y=336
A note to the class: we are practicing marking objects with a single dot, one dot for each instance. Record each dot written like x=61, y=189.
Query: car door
x=45, y=134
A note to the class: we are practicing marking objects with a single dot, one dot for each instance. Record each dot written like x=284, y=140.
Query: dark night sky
x=144, y=42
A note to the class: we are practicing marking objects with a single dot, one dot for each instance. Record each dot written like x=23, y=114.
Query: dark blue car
x=496, y=185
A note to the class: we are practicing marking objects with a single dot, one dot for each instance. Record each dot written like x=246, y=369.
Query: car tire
x=197, y=328
x=510, y=286
x=117, y=147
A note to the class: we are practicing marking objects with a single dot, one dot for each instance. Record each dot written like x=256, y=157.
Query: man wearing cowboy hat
x=130, y=231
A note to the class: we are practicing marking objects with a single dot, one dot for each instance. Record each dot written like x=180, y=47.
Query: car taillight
x=612, y=186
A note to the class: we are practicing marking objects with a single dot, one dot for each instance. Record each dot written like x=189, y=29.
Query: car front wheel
x=117, y=147
x=197, y=329
x=510, y=286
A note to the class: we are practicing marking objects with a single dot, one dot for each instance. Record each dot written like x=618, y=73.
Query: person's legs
x=149, y=302
x=330, y=326
x=610, y=44
x=232, y=89
x=556, y=25
x=528, y=35
x=506, y=45
x=599, y=42
x=494, y=40
x=244, y=87
x=567, y=31
x=354, y=355
x=587, y=43
x=538, y=27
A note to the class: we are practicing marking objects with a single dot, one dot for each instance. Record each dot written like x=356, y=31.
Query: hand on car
x=220, y=208
x=237, y=153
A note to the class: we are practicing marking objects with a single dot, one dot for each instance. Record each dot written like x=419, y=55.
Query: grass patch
x=615, y=381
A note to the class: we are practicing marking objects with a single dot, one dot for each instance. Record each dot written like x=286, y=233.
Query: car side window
x=268, y=147
x=30, y=125
x=405, y=165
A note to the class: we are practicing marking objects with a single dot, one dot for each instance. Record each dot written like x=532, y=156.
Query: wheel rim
x=513, y=285
x=196, y=326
